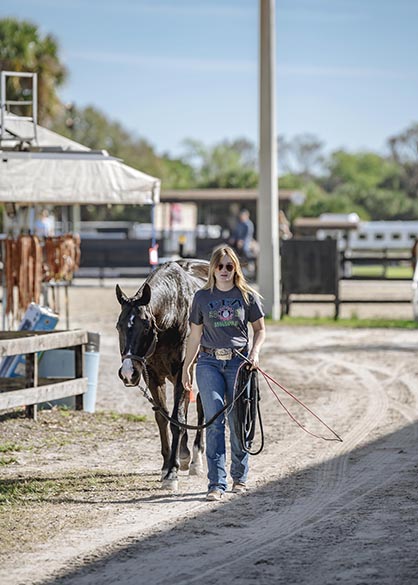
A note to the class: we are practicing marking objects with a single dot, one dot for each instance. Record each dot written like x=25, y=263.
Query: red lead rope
x=269, y=379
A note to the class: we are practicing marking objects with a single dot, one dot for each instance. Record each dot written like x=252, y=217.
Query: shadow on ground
x=351, y=519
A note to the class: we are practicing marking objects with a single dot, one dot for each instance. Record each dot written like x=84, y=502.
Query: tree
x=94, y=129
x=22, y=48
x=404, y=152
x=368, y=182
x=302, y=155
x=365, y=169
x=228, y=164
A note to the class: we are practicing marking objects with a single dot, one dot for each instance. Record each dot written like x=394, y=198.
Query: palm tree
x=22, y=48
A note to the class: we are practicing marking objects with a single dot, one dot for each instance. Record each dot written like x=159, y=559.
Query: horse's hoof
x=163, y=474
x=196, y=466
x=196, y=469
x=170, y=484
x=184, y=464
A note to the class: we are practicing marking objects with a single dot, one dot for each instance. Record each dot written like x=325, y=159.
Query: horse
x=153, y=327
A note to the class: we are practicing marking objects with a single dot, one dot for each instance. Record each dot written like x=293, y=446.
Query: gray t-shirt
x=225, y=317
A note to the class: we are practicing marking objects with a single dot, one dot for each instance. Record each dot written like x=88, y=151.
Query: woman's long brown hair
x=239, y=278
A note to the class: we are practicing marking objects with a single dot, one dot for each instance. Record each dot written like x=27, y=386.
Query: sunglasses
x=229, y=267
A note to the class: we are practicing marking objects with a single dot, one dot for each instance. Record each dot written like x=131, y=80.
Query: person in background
x=284, y=227
x=243, y=235
x=219, y=319
x=44, y=225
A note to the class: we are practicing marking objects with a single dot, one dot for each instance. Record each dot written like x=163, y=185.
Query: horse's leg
x=184, y=449
x=158, y=392
x=196, y=466
x=179, y=413
x=184, y=452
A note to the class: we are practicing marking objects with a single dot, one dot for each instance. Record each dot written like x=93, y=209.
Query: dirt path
x=318, y=512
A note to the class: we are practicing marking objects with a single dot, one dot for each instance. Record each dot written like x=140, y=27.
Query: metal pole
x=3, y=103
x=153, y=232
x=268, y=202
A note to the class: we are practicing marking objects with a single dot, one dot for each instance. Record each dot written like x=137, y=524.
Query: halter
x=143, y=358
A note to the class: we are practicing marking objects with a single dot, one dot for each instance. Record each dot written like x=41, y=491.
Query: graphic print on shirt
x=226, y=312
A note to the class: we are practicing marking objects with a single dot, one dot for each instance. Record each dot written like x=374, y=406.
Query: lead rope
x=246, y=422
x=179, y=424
x=269, y=379
x=170, y=419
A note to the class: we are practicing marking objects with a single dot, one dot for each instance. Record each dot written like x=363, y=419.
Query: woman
x=219, y=320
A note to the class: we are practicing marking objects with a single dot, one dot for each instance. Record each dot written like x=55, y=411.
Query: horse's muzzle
x=129, y=373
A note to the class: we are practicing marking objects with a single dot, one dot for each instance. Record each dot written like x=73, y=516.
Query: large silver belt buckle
x=223, y=353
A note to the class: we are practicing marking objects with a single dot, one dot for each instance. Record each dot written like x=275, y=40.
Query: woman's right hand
x=186, y=380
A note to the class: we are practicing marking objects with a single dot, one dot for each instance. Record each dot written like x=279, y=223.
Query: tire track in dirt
x=344, y=491
x=327, y=499
x=338, y=477
x=317, y=506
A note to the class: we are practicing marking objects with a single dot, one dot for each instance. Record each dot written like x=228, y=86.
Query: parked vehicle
x=371, y=235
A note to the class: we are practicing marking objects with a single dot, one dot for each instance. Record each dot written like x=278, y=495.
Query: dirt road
x=318, y=512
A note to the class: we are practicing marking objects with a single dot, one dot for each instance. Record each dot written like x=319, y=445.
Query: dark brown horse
x=153, y=326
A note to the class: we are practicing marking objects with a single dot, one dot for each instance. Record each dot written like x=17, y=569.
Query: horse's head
x=138, y=334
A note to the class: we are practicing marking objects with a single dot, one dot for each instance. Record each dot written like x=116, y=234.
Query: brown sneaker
x=238, y=487
x=214, y=495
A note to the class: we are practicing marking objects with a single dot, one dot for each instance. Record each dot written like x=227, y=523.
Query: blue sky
x=347, y=70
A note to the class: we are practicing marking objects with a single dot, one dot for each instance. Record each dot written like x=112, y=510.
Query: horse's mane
x=173, y=285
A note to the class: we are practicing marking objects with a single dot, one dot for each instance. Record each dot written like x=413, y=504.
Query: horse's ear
x=122, y=298
x=145, y=297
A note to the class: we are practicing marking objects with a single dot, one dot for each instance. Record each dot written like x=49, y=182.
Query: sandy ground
x=317, y=512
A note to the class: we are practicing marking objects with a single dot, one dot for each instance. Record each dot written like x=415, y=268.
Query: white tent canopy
x=56, y=170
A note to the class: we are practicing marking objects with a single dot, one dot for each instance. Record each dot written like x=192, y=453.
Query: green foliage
x=8, y=447
x=127, y=416
x=404, y=151
x=23, y=48
x=319, y=201
x=94, y=129
x=366, y=170
x=228, y=165
x=364, y=182
x=302, y=155
x=353, y=323
x=378, y=270
x=290, y=181
x=378, y=204
x=7, y=461
x=374, y=186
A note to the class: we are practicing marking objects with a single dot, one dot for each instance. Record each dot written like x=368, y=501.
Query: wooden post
x=79, y=369
x=31, y=375
x=67, y=305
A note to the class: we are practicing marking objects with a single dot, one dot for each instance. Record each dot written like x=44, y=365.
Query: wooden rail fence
x=30, y=390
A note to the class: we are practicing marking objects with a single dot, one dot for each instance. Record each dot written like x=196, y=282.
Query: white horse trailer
x=381, y=235
x=374, y=235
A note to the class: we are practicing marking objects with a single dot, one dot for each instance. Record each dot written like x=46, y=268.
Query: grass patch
x=135, y=417
x=35, y=490
x=83, y=486
x=377, y=270
x=353, y=323
x=126, y=416
x=7, y=447
x=7, y=461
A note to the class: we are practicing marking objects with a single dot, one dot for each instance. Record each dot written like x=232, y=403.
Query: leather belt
x=223, y=353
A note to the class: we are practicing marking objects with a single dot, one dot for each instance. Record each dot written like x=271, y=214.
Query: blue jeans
x=215, y=379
